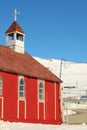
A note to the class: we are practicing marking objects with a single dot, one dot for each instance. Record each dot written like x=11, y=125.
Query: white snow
x=76, y=106
x=69, y=112
x=72, y=74
x=27, y=126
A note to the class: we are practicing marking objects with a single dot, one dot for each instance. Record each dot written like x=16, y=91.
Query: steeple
x=15, y=36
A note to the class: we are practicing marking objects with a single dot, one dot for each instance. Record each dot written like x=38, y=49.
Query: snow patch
x=28, y=126
x=76, y=106
x=69, y=112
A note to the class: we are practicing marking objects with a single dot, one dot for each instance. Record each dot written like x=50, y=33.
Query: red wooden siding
x=0, y=107
x=41, y=111
x=49, y=96
x=31, y=98
x=10, y=94
x=58, y=109
x=29, y=109
x=21, y=109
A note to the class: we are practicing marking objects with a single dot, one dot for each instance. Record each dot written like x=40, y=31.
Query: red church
x=29, y=92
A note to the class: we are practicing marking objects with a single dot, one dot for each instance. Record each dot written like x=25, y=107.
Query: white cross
x=15, y=14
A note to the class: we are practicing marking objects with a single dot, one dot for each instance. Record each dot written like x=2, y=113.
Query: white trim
x=1, y=87
x=61, y=101
x=15, y=32
x=55, y=98
x=41, y=101
x=19, y=78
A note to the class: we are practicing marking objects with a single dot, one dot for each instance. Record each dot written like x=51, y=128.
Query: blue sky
x=54, y=28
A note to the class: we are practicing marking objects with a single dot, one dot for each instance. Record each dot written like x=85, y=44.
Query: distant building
x=29, y=92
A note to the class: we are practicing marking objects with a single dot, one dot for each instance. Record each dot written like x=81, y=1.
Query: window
x=70, y=86
x=41, y=92
x=19, y=37
x=0, y=85
x=21, y=88
x=11, y=36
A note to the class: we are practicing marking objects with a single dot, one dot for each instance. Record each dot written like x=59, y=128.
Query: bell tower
x=15, y=36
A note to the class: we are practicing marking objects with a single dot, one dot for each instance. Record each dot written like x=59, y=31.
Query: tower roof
x=15, y=27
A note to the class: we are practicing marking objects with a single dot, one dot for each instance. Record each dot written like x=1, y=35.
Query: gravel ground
x=79, y=118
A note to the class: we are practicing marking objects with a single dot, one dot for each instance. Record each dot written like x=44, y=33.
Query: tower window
x=21, y=88
x=0, y=85
x=41, y=92
x=11, y=36
x=19, y=37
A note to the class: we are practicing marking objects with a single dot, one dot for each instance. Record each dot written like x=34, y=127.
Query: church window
x=0, y=85
x=41, y=92
x=21, y=88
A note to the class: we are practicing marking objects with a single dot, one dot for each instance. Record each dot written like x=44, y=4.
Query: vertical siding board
x=31, y=98
x=41, y=111
x=0, y=108
x=21, y=109
x=58, y=110
x=50, y=98
x=9, y=96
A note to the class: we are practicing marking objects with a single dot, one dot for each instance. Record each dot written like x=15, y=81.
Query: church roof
x=15, y=27
x=24, y=64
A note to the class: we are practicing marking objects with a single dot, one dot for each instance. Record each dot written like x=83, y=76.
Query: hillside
x=73, y=74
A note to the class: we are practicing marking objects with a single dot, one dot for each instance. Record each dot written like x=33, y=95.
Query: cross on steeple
x=15, y=14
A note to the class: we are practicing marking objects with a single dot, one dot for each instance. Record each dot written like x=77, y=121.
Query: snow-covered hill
x=74, y=75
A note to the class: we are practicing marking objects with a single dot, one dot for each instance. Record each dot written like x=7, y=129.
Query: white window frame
x=41, y=91
x=1, y=83
x=23, y=91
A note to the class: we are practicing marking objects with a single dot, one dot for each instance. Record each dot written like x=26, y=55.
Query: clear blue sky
x=54, y=28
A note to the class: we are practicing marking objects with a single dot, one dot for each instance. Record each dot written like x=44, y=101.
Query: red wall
x=10, y=95
x=49, y=96
x=21, y=110
x=31, y=97
x=53, y=113
x=41, y=112
x=58, y=108
x=0, y=108
x=14, y=109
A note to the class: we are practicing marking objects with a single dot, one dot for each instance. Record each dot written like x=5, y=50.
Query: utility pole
x=61, y=92
x=60, y=68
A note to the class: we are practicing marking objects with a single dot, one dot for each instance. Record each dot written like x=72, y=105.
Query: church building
x=29, y=92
